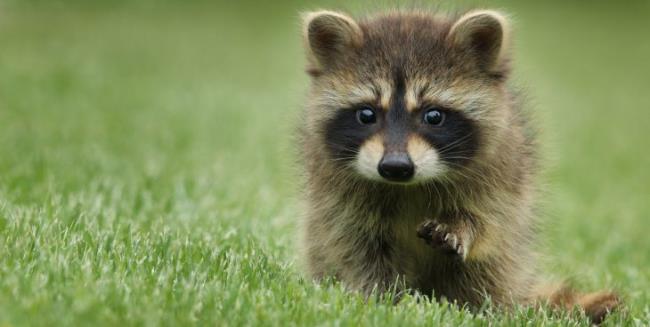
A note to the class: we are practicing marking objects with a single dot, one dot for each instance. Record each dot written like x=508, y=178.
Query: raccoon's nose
x=396, y=167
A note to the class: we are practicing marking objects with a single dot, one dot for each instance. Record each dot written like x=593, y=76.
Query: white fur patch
x=369, y=156
x=425, y=158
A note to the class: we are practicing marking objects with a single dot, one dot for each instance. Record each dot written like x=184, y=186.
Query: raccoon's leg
x=452, y=238
x=364, y=268
x=596, y=305
x=369, y=268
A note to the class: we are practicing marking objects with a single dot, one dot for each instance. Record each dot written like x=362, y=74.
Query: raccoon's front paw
x=439, y=235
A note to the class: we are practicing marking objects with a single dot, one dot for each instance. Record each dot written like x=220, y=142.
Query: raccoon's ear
x=486, y=34
x=328, y=37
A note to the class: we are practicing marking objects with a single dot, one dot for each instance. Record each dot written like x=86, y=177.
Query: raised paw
x=438, y=235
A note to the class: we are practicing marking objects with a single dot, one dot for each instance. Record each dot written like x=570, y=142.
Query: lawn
x=147, y=175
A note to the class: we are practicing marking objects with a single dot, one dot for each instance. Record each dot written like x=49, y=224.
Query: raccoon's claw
x=437, y=235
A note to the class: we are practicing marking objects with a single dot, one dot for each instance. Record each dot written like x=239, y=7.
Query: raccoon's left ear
x=486, y=34
x=329, y=36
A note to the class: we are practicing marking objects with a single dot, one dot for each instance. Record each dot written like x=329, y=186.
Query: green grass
x=147, y=175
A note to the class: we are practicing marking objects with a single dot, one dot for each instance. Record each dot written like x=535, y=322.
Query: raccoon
x=420, y=164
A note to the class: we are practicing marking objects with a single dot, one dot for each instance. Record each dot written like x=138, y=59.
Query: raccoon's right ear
x=328, y=37
x=486, y=34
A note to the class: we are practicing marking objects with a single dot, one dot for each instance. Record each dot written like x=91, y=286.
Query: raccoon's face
x=406, y=98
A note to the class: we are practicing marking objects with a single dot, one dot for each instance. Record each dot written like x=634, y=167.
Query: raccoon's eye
x=366, y=116
x=434, y=117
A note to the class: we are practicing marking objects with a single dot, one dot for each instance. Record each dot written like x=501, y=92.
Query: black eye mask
x=456, y=139
x=344, y=134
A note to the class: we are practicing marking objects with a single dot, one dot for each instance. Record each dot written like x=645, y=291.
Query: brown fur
x=363, y=231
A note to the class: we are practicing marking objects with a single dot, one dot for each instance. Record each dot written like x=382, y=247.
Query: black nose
x=396, y=167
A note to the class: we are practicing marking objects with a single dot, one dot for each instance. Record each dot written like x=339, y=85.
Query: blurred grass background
x=147, y=174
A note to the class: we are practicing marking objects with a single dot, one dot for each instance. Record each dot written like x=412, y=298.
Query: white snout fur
x=425, y=158
x=369, y=156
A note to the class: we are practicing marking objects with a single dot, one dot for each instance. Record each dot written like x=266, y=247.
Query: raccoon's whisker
x=342, y=159
x=466, y=172
x=458, y=157
x=435, y=188
x=475, y=175
x=454, y=143
x=342, y=148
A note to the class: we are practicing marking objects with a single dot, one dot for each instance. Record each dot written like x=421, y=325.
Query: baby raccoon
x=420, y=164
